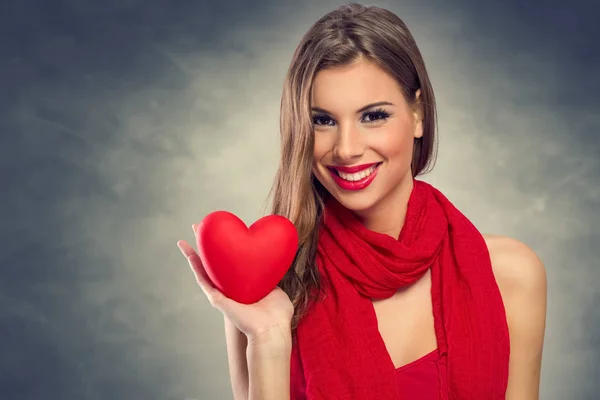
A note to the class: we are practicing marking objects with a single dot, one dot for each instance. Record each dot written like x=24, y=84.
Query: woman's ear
x=418, y=114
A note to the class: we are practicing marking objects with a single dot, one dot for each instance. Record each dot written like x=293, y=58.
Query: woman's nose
x=348, y=145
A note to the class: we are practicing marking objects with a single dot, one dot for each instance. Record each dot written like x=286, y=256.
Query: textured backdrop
x=124, y=122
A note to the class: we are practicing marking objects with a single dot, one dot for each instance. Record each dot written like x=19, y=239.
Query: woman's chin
x=356, y=202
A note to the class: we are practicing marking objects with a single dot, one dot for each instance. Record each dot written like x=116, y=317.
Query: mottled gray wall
x=124, y=122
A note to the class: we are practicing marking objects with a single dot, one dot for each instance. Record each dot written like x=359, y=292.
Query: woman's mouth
x=353, y=179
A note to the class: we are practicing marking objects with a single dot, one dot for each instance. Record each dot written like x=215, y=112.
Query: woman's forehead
x=353, y=86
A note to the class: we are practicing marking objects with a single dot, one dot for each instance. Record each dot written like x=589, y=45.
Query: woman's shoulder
x=521, y=278
x=516, y=266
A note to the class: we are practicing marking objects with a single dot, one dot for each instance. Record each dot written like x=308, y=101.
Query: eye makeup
x=375, y=115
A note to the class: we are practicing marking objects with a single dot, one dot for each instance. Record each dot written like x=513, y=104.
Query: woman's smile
x=354, y=178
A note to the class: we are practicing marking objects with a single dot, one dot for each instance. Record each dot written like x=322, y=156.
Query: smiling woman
x=378, y=135
x=393, y=293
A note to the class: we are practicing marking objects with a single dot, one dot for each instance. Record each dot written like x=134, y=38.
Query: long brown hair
x=341, y=37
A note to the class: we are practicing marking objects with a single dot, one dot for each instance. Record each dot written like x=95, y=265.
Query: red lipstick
x=354, y=185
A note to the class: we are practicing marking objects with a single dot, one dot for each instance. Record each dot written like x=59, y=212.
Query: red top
x=421, y=380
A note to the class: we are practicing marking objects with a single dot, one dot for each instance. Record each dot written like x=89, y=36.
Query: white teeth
x=357, y=176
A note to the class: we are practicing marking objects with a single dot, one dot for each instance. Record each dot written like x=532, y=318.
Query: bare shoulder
x=521, y=278
x=515, y=265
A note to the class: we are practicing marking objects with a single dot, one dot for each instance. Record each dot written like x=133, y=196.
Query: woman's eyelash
x=374, y=116
x=380, y=112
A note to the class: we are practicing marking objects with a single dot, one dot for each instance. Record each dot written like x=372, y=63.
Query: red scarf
x=338, y=347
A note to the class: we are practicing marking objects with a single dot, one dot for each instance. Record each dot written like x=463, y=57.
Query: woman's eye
x=321, y=120
x=374, y=116
x=368, y=117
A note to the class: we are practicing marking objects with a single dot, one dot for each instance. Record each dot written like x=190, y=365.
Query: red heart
x=246, y=264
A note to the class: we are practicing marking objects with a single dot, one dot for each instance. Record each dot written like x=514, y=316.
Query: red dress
x=422, y=379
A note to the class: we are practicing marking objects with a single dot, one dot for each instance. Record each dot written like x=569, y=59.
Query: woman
x=393, y=294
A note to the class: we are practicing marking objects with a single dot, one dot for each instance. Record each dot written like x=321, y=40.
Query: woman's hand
x=267, y=320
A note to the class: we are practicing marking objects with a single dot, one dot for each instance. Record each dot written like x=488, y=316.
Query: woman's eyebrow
x=379, y=103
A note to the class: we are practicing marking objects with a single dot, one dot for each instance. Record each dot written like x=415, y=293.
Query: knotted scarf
x=339, y=353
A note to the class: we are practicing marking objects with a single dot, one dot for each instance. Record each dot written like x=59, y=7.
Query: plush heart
x=246, y=264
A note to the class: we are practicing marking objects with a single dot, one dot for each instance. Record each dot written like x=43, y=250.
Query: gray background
x=122, y=122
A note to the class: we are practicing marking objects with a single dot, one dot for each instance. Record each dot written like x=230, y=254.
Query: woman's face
x=361, y=119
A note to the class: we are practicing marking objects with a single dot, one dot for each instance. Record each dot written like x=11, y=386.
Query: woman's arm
x=521, y=277
x=238, y=364
x=269, y=358
x=267, y=326
x=259, y=370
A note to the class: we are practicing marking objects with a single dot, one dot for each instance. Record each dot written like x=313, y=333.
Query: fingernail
x=194, y=228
